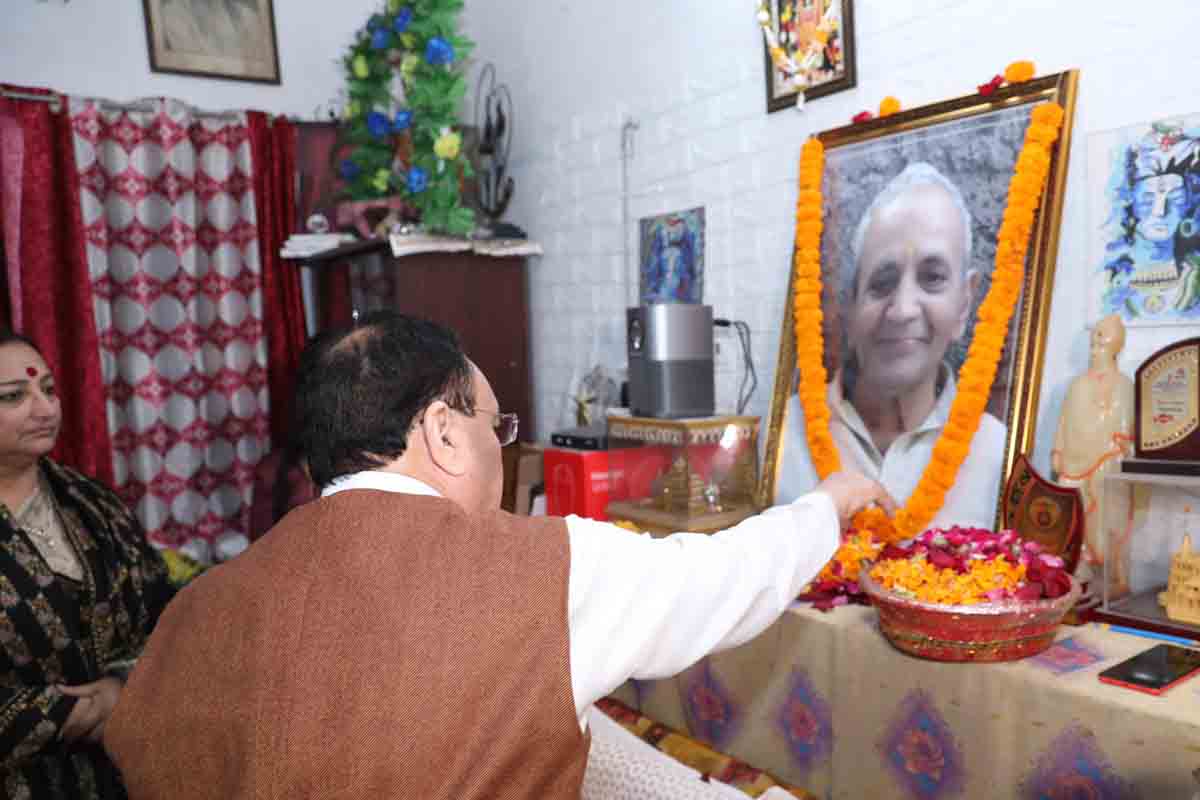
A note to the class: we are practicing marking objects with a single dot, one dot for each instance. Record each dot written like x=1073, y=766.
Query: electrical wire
x=749, y=376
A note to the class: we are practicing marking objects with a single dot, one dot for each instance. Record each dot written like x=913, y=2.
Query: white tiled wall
x=691, y=75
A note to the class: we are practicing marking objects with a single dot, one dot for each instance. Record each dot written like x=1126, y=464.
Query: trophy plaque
x=1167, y=412
x=1043, y=512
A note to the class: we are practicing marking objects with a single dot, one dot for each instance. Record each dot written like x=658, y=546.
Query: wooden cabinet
x=484, y=299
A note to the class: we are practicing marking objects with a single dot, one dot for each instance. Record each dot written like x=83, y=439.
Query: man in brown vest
x=403, y=637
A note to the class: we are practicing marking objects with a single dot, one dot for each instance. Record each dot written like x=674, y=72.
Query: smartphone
x=1154, y=671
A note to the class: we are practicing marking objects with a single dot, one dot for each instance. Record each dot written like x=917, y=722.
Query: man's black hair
x=360, y=389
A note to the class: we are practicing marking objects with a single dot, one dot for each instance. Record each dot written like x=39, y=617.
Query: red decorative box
x=576, y=482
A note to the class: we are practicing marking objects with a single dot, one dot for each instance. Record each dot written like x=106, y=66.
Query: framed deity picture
x=912, y=205
x=672, y=257
x=232, y=39
x=1144, y=222
x=818, y=36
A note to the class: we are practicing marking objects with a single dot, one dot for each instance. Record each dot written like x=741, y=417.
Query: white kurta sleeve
x=648, y=608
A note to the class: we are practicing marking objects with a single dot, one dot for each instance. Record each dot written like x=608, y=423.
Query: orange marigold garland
x=977, y=373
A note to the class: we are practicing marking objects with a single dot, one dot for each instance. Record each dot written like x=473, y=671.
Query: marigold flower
x=1048, y=114
x=1019, y=71
x=888, y=106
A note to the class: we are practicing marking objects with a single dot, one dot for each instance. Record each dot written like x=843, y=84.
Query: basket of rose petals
x=969, y=594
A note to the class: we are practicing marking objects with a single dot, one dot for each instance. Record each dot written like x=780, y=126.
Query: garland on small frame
x=405, y=86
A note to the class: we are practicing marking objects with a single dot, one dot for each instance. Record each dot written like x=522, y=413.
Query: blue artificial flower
x=380, y=39
x=350, y=170
x=439, y=51
x=403, y=17
x=378, y=124
x=418, y=179
x=402, y=121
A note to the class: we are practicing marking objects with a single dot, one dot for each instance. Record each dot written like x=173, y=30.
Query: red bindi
x=31, y=372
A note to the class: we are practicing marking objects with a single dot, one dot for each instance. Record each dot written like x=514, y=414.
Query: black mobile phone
x=1155, y=670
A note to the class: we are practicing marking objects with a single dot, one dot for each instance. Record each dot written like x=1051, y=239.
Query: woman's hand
x=93, y=708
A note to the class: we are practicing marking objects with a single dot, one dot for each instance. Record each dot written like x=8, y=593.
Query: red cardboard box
x=576, y=482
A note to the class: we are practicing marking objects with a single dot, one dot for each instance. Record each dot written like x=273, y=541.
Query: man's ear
x=444, y=437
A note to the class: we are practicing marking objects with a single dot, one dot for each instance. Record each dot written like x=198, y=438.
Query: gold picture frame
x=976, y=132
x=232, y=39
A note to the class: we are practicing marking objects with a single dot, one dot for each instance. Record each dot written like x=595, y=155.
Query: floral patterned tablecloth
x=824, y=702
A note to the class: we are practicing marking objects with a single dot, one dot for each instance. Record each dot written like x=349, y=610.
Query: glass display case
x=668, y=475
x=1151, y=571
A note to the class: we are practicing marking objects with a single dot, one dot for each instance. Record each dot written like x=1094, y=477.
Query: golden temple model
x=682, y=490
x=1182, y=597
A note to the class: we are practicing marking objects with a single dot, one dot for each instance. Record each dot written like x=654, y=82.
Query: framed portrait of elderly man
x=232, y=39
x=912, y=205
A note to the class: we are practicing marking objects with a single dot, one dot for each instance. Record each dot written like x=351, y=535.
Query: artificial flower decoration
x=378, y=124
x=383, y=177
x=1019, y=71
x=418, y=179
x=402, y=131
x=439, y=52
x=447, y=145
x=888, y=106
x=862, y=116
x=349, y=170
x=403, y=18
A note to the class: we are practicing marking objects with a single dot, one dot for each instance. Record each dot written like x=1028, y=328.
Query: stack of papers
x=303, y=245
x=411, y=244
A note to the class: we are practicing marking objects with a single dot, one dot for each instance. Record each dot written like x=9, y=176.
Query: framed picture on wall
x=912, y=205
x=672, y=257
x=1144, y=230
x=818, y=36
x=232, y=39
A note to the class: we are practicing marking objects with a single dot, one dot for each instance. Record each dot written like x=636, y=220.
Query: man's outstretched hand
x=852, y=492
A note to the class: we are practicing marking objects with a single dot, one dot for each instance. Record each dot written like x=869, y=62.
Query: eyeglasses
x=505, y=426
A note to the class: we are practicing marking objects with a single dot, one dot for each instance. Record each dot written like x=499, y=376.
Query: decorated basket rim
x=989, y=609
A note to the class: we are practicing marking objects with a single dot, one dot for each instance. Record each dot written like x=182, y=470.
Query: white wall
x=691, y=74
x=97, y=48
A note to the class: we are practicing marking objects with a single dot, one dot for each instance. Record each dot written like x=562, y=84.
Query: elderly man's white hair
x=919, y=173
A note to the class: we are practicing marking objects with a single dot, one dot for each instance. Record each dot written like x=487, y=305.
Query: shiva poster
x=672, y=257
x=1144, y=226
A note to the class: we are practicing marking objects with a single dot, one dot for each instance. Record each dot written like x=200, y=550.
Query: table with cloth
x=822, y=701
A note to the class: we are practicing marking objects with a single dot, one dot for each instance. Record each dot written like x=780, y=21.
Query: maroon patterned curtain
x=173, y=252
x=273, y=151
x=50, y=296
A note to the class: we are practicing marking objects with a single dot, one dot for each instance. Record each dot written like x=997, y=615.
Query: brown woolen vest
x=372, y=645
